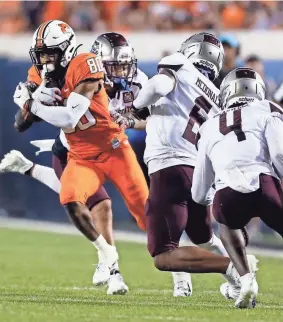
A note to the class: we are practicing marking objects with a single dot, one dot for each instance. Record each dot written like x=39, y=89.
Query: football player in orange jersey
x=98, y=148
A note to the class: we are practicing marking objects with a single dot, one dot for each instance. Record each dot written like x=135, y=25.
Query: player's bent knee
x=103, y=210
x=162, y=262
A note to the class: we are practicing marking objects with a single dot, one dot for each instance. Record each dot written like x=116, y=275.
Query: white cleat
x=249, y=291
x=106, y=261
x=110, y=257
x=14, y=161
x=116, y=285
x=231, y=290
x=182, y=284
x=101, y=274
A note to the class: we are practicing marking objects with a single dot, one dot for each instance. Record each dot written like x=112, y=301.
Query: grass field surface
x=47, y=277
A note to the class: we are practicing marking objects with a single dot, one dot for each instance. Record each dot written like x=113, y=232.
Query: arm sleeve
x=63, y=116
x=203, y=177
x=158, y=86
x=274, y=135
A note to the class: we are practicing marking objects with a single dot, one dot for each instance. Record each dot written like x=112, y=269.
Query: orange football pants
x=82, y=178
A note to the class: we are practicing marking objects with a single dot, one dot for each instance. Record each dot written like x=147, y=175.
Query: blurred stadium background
x=251, y=32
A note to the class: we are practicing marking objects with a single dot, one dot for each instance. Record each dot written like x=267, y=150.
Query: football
x=24, y=120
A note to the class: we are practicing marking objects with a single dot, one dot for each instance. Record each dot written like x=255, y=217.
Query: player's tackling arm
x=158, y=86
x=203, y=177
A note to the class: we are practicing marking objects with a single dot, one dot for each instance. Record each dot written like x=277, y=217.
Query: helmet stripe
x=40, y=33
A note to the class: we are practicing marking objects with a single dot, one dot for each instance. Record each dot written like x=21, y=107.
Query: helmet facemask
x=121, y=73
x=121, y=70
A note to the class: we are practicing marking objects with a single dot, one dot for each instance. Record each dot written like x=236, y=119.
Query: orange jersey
x=33, y=76
x=96, y=132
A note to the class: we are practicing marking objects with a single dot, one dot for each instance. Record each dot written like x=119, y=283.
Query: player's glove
x=47, y=96
x=122, y=121
x=21, y=95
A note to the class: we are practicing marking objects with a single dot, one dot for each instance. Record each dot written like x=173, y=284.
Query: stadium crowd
x=122, y=16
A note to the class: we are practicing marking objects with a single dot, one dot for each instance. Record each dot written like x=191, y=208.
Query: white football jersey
x=123, y=100
x=236, y=146
x=175, y=119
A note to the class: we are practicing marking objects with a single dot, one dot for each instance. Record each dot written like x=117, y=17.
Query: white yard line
x=133, y=237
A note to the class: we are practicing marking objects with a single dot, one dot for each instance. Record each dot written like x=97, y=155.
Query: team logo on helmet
x=96, y=48
x=64, y=27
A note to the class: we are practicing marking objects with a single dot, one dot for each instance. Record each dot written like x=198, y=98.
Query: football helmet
x=53, y=47
x=241, y=85
x=206, y=52
x=118, y=57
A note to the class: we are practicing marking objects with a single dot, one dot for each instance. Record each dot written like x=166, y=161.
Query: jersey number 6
x=197, y=118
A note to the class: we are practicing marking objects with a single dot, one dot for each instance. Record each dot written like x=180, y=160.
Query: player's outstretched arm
x=158, y=86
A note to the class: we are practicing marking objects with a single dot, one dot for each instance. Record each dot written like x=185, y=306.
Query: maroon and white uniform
x=241, y=150
x=170, y=154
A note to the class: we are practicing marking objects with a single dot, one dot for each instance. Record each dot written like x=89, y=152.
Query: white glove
x=47, y=96
x=21, y=95
x=43, y=145
x=116, y=105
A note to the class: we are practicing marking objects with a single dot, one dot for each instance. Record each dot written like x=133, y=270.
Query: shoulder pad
x=82, y=68
x=141, y=77
x=174, y=62
x=33, y=76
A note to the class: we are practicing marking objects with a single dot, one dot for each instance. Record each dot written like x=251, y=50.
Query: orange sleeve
x=84, y=67
x=33, y=76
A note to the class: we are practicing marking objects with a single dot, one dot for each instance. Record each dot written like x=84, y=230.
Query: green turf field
x=47, y=277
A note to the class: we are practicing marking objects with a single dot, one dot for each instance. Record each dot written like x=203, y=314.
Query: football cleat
x=232, y=288
x=14, y=161
x=182, y=284
x=101, y=274
x=249, y=291
x=230, y=291
x=106, y=262
x=110, y=257
x=116, y=285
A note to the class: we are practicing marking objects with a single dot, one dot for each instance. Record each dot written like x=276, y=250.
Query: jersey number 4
x=236, y=127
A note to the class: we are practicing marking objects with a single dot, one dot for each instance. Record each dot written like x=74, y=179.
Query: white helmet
x=206, y=52
x=53, y=37
x=242, y=85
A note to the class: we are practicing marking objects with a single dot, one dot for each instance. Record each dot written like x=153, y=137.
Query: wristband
x=132, y=123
